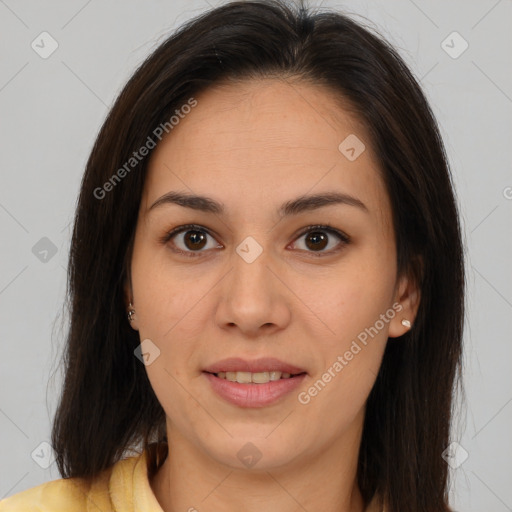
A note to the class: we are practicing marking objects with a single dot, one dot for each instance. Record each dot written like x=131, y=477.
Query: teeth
x=277, y=375
x=256, y=378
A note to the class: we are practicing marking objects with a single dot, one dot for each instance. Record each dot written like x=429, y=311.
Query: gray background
x=51, y=110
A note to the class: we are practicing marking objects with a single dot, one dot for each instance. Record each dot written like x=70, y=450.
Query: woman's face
x=254, y=281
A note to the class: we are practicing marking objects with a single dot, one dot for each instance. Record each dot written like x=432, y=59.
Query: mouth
x=257, y=383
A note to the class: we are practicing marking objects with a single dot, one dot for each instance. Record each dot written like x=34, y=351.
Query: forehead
x=252, y=142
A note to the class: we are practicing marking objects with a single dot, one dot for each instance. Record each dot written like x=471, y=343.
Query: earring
x=406, y=323
x=131, y=312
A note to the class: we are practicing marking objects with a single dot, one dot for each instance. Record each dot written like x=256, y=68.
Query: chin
x=253, y=452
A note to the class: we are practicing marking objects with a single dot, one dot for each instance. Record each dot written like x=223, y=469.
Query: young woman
x=266, y=281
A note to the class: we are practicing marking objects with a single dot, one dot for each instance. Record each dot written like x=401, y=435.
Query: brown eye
x=194, y=239
x=189, y=240
x=317, y=238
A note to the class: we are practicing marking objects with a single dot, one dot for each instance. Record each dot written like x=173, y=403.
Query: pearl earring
x=406, y=323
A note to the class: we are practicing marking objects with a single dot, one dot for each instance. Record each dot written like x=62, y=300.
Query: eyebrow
x=292, y=207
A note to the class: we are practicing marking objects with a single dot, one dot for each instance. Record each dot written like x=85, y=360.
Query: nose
x=252, y=298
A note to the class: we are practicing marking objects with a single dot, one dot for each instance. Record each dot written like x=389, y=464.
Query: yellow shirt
x=124, y=487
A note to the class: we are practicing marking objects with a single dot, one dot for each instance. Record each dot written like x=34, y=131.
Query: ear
x=408, y=295
x=127, y=301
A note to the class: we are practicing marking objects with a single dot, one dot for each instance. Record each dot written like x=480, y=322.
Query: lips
x=251, y=395
x=253, y=386
x=265, y=364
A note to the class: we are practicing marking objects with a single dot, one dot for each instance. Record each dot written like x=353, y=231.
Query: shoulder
x=64, y=494
x=71, y=494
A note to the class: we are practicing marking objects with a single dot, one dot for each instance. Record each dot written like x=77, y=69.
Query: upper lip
x=265, y=364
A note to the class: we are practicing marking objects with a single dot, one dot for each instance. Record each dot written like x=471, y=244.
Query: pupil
x=317, y=237
x=196, y=237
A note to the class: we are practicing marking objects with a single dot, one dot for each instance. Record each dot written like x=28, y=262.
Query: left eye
x=317, y=239
x=194, y=239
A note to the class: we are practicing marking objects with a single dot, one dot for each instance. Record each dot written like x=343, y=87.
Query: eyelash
x=345, y=240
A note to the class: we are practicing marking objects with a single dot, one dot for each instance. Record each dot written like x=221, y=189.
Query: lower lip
x=253, y=395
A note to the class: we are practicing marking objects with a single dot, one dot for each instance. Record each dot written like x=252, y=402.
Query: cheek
x=349, y=357
x=352, y=306
x=171, y=305
x=163, y=293
x=173, y=393
x=355, y=297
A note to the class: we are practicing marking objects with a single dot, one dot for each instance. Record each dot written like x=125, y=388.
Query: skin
x=254, y=146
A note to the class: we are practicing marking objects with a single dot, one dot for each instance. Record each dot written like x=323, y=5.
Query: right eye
x=190, y=239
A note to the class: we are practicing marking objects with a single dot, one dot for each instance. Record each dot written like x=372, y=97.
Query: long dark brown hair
x=107, y=405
